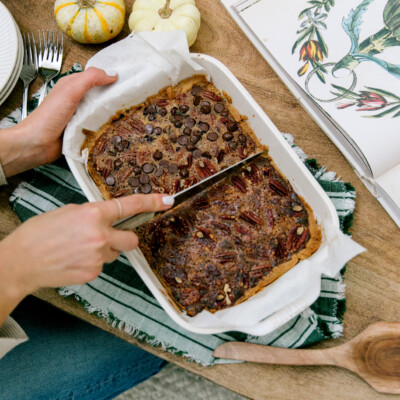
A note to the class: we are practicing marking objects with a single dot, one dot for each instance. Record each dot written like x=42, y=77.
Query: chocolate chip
x=146, y=188
x=112, y=153
x=204, y=127
x=125, y=143
x=184, y=173
x=119, y=147
x=187, y=131
x=174, y=110
x=110, y=180
x=190, y=122
x=204, y=103
x=117, y=164
x=196, y=90
x=132, y=162
x=206, y=154
x=190, y=147
x=149, y=128
x=149, y=138
x=205, y=109
x=178, y=124
x=159, y=172
x=148, y=168
x=227, y=136
x=144, y=179
x=152, y=117
x=232, y=126
x=164, y=163
x=219, y=107
x=197, y=153
x=163, y=112
x=152, y=109
x=116, y=139
x=133, y=181
x=212, y=136
x=183, y=140
x=183, y=109
x=224, y=113
x=242, y=138
x=158, y=155
x=233, y=145
x=157, y=131
x=194, y=139
x=196, y=100
x=173, y=168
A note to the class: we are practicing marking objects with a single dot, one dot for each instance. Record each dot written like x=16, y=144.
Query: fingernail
x=110, y=72
x=168, y=200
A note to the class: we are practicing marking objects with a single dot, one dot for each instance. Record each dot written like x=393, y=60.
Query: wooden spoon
x=374, y=355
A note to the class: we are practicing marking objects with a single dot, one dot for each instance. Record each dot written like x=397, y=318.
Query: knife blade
x=180, y=197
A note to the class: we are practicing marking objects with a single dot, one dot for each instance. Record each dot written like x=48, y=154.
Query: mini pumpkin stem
x=86, y=3
x=165, y=12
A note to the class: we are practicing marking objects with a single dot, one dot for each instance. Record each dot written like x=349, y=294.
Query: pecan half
x=225, y=257
x=211, y=95
x=201, y=203
x=121, y=193
x=137, y=124
x=162, y=103
x=296, y=238
x=210, y=168
x=277, y=187
x=239, y=183
x=251, y=218
x=220, y=156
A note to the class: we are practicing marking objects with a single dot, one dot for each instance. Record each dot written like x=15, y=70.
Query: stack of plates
x=11, y=53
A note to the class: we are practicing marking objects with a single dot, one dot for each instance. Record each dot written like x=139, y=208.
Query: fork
x=29, y=69
x=50, y=58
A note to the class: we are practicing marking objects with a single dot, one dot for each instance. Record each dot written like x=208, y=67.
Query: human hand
x=69, y=245
x=37, y=139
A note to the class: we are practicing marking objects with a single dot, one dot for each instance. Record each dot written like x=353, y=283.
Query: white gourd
x=166, y=15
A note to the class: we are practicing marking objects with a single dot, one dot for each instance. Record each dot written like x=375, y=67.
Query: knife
x=180, y=197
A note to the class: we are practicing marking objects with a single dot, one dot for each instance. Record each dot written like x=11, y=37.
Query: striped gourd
x=90, y=21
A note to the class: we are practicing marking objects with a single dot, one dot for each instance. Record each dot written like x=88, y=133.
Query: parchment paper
x=146, y=63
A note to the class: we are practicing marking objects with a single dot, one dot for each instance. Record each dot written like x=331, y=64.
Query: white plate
x=8, y=88
x=307, y=281
x=9, y=46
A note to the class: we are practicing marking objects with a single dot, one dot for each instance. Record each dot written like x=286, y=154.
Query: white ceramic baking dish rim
x=256, y=116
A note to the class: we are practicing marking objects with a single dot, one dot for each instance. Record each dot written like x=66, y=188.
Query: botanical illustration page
x=345, y=54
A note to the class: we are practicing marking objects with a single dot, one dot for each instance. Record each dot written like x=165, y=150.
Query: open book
x=341, y=59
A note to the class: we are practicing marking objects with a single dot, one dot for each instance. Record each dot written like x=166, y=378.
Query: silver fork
x=50, y=58
x=29, y=69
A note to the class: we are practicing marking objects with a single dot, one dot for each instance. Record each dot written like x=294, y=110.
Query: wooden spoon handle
x=274, y=355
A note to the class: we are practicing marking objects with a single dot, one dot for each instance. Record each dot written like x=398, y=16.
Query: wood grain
x=372, y=279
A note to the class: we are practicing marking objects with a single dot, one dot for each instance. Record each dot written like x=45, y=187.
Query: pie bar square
x=230, y=241
x=170, y=142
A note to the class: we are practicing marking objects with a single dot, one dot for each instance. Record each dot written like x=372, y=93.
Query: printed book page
x=345, y=54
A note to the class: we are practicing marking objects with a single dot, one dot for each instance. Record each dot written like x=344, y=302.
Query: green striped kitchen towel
x=119, y=296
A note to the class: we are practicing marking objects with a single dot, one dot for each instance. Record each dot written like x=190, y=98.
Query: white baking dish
x=305, y=286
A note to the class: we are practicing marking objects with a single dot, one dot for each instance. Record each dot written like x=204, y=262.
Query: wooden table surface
x=373, y=278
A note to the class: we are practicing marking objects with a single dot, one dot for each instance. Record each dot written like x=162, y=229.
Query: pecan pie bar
x=225, y=244
x=171, y=141
x=243, y=233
